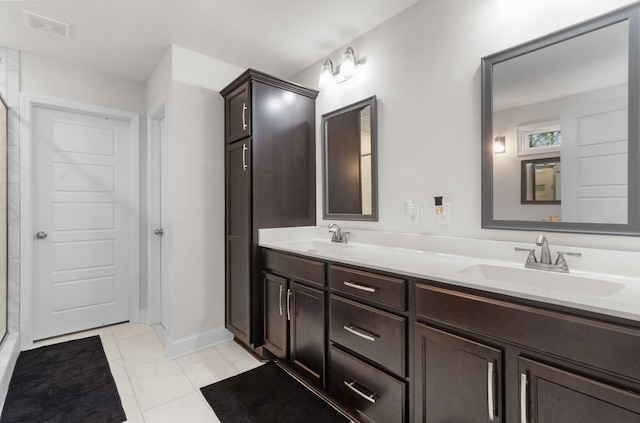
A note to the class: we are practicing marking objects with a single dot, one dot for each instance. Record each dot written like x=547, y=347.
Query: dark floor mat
x=267, y=394
x=68, y=382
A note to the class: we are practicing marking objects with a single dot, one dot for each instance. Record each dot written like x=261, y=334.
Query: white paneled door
x=594, y=162
x=82, y=234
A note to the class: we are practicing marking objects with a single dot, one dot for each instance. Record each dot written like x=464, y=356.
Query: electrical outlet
x=444, y=218
x=414, y=213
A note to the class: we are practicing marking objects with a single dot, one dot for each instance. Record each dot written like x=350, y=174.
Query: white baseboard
x=143, y=316
x=182, y=346
x=8, y=358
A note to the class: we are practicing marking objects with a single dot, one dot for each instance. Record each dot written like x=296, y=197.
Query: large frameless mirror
x=572, y=98
x=349, y=140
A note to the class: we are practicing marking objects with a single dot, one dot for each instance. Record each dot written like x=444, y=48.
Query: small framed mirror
x=349, y=144
x=541, y=182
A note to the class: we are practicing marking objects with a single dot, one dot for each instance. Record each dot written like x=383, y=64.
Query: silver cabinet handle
x=41, y=235
x=288, y=304
x=244, y=117
x=244, y=157
x=159, y=232
x=360, y=287
x=370, y=397
x=490, y=395
x=352, y=329
x=280, y=300
x=523, y=398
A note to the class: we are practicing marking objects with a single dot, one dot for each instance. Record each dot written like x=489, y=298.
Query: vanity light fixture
x=499, y=145
x=329, y=78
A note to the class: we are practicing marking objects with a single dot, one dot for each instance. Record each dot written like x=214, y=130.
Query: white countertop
x=443, y=258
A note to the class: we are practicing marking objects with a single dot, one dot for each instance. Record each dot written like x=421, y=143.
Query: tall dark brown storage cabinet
x=270, y=169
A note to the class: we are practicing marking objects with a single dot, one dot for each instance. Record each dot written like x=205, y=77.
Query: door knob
x=41, y=235
x=159, y=232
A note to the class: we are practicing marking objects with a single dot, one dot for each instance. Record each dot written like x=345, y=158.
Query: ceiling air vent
x=44, y=24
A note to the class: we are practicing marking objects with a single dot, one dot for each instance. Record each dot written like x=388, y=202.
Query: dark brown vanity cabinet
x=277, y=306
x=294, y=313
x=368, y=334
x=270, y=182
x=553, y=395
x=238, y=112
x=407, y=350
x=238, y=293
x=456, y=379
x=547, y=366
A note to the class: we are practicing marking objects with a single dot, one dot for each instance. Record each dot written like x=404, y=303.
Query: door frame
x=27, y=104
x=157, y=309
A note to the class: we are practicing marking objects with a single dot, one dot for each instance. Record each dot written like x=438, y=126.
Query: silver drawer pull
x=368, y=336
x=360, y=287
x=490, y=384
x=523, y=398
x=370, y=397
x=244, y=157
x=244, y=117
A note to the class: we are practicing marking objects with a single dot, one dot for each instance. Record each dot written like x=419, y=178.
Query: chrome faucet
x=545, y=254
x=545, y=257
x=338, y=234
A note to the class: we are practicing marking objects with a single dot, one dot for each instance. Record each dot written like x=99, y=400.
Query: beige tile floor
x=156, y=389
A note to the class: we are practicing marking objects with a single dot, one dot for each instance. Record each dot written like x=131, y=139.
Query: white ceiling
x=600, y=58
x=129, y=37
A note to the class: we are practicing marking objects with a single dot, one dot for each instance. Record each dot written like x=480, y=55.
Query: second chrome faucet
x=545, y=257
x=338, y=234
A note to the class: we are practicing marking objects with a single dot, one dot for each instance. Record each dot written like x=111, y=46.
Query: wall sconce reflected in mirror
x=499, y=145
x=329, y=78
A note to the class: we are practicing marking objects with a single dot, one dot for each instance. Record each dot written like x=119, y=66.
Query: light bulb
x=348, y=65
x=326, y=75
x=499, y=145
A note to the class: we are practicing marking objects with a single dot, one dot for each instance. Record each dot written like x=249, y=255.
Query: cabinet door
x=307, y=331
x=456, y=379
x=238, y=220
x=238, y=113
x=275, y=314
x=551, y=395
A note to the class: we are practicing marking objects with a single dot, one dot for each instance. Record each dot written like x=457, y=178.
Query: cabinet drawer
x=370, y=393
x=374, y=334
x=597, y=344
x=297, y=268
x=369, y=286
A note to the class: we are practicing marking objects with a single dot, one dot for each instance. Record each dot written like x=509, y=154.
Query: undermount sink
x=563, y=282
x=324, y=247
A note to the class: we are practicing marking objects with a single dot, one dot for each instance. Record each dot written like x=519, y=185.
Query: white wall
x=193, y=68
x=424, y=66
x=188, y=83
x=56, y=79
x=196, y=210
x=159, y=83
